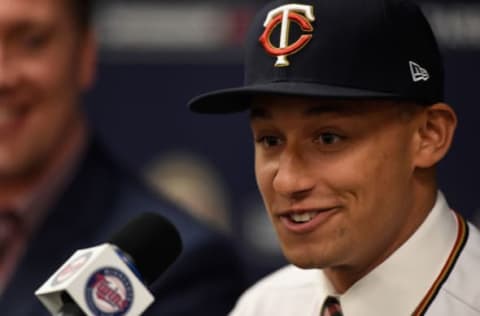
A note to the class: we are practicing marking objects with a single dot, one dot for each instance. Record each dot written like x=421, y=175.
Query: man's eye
x=34, y=41
x=269, y=141
x=329, y=138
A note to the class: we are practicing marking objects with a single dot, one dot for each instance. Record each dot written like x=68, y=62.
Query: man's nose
x=293, y=179
x=8, y=70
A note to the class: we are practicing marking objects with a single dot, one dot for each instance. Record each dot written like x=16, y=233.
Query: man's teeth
x=302, y=217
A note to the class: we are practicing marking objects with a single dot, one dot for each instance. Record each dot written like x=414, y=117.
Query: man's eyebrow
x=25, y=26
x=262, y=113
x=259, y=113
x=332, y=108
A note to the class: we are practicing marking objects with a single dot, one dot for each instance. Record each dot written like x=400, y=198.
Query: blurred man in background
x=60, y=189
x=347, y=111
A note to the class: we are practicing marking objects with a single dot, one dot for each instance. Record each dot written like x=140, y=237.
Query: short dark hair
x=82, y=11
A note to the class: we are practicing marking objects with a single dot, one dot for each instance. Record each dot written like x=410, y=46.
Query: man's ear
x=435, y=134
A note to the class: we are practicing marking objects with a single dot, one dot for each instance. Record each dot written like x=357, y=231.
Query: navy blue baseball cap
x=341, y=49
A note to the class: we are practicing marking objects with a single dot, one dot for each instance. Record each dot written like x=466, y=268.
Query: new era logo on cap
x=418, y=72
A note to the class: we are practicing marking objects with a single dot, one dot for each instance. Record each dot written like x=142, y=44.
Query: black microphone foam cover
x=152, y=242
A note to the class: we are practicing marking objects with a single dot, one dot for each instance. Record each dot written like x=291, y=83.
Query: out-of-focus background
x=156, y=55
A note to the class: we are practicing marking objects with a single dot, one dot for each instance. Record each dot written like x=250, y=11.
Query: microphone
x=112, y=278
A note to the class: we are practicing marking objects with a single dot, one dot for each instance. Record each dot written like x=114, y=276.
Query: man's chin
x=18, y=170
x=306, y=261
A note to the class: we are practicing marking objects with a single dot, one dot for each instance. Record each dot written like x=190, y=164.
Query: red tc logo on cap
x=284, y=15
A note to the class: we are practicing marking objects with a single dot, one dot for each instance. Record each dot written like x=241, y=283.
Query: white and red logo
x=109, y=292
x=71, y=268
x=284, y=15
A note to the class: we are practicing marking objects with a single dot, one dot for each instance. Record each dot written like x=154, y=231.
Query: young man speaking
x=349, y=122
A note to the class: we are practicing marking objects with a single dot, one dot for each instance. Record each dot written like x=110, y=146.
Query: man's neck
x=18, y=187
x=343, y=277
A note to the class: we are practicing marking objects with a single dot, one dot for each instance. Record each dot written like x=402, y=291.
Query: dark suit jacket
x=205, y=280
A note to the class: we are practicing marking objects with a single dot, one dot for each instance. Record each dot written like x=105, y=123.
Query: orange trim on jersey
x=462, y=236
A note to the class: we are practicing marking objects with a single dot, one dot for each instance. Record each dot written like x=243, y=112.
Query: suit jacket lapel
x=74, y=222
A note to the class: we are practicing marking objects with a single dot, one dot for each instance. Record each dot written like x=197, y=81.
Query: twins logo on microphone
x=109, y=292
x=71, y=268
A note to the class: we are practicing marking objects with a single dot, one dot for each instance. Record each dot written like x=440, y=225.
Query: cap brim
x=239, y=99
